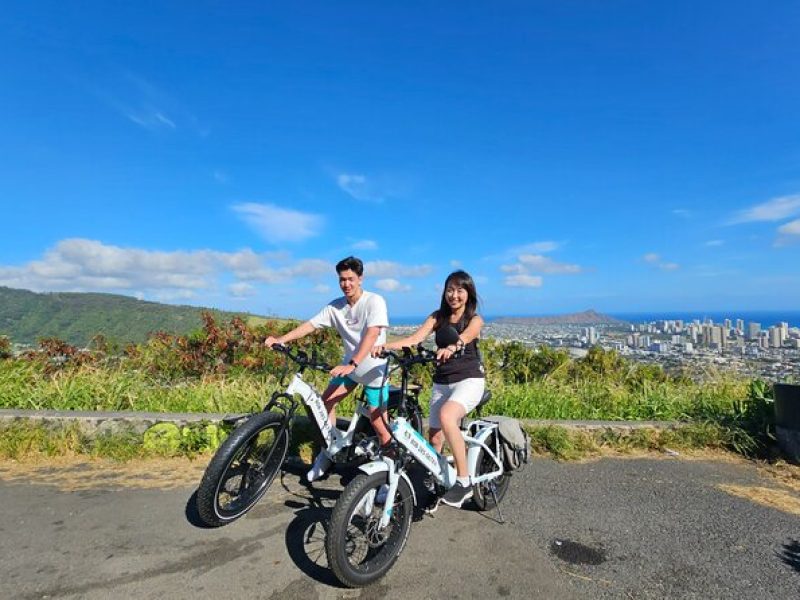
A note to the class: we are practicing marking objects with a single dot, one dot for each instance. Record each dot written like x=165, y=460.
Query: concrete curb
x=139, y=422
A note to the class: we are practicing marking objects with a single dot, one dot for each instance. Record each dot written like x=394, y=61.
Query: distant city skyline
x=625, y=157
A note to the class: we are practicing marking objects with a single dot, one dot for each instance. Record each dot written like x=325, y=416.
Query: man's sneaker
x=321, y=465
x=457, y=494
x=430, y=483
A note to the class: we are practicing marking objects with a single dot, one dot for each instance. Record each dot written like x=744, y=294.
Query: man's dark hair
x=350, y=263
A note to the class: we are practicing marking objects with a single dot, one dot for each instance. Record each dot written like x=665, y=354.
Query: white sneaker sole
x=457, y=504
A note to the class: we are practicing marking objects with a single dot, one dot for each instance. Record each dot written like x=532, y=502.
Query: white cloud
x=391, y=285
x=386, y=268
x=714, y=243
x=241, y=290
x=89, y=265
x=277, y=224
x=537, y=263
x=145, y=104
x=455, y=264
x=365, y=245
x=773, y=210
x=788, y=233
x=321, y=288
x=523, y=281
x=359, y=187
x=520, y=272
x=790, y=228
x=542, y=247
x=655, y=259
x=150, y=118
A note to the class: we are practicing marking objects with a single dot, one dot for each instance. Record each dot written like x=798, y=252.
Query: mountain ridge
x=76, y=317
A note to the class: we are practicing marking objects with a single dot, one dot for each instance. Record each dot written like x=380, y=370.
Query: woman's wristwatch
x=353, y=363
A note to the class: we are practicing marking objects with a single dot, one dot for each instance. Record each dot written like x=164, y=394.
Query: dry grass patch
x=75, y=473
x=782, y=500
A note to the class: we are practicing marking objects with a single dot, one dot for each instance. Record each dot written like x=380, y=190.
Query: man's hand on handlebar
x=271, y=342
x=342, y=370
x=378, y=352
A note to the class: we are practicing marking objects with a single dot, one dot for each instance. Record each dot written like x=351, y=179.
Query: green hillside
x=76, y=318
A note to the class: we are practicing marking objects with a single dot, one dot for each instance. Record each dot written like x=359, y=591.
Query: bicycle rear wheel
x=482, y=492
x=243, y=468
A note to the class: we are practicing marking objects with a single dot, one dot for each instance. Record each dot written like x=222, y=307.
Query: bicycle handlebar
x=408, y=358
x=301, y=358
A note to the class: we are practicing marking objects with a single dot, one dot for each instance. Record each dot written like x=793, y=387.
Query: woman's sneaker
x=321, y=465
x=457, y=494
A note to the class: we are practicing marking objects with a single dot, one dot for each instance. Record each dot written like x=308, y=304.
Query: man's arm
x=295, y=334
x=367, y=342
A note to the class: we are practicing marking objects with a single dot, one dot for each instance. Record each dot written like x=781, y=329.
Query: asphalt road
x=632, y=528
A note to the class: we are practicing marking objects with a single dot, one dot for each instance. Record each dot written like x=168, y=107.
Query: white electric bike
x=372, y=518
x=247, y=462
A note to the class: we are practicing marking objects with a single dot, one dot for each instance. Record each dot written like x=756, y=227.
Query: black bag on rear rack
x=513, y=441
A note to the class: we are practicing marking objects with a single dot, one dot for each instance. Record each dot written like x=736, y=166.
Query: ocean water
x=766, y=318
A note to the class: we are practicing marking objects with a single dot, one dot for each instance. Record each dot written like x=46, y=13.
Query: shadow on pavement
x=790, y=554
x=192, y=514
x=305, y=535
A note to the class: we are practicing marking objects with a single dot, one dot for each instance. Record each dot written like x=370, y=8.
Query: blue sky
x=617, y=155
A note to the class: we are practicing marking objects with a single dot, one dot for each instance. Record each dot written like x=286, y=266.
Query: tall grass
x=25, y=385
x=609, y=400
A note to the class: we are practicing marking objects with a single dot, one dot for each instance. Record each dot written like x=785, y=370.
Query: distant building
x=753, y=330
x=775, y=338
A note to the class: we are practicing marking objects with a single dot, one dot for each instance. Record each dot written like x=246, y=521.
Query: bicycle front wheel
x=243, y=468
x=358, y=551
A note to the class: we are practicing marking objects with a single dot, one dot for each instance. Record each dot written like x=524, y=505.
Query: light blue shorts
x=376, y=396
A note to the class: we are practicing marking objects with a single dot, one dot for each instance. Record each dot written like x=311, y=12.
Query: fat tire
x=481, y=496
x=337, y=538
x=214, y=477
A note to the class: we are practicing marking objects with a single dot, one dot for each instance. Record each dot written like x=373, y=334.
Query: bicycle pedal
x=366, y=448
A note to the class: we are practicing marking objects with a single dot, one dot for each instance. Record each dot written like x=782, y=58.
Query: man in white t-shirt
x=361, y=319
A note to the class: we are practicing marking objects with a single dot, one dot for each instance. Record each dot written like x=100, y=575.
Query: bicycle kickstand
x=497, y=506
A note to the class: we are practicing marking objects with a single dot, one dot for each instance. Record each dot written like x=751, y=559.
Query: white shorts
x=467, y=392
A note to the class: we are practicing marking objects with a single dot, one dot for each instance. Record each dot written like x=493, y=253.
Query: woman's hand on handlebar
x=378, y=351
x=445, y=354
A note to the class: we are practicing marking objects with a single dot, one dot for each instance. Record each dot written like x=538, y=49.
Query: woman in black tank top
x=459, y=380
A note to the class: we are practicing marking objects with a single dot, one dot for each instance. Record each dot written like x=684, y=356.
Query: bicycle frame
x=432, y=461
x=333, y=438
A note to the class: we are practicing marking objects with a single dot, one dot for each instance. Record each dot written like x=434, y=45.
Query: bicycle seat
x=487, y=395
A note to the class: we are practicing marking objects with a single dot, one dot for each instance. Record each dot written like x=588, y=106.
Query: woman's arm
x=471, y=332
x=412, y=340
